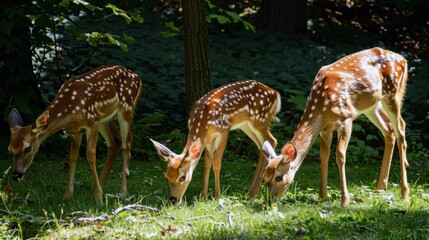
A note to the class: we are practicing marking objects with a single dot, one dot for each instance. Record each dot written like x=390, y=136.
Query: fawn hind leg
x=125, y=126
x=344, y=133
x=392, y=106
x=113, y=141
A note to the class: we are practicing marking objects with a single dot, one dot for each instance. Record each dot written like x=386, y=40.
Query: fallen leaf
x=171, y=229
x=9, y=191
x=97, y=225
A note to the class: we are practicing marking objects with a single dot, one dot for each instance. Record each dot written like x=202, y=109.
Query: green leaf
x=87, y=5
x=210, y=4
x=234, y=16
x=208, y=19
x=64, y=3
x=136, y=16
x=221, y=19
x=248, y=26
x=119, y=12
x=123, y=46
x=113, y=40
x=167, y=34
x=128, y=38
x=114, y=8
x=93, y=38
x=171, y=26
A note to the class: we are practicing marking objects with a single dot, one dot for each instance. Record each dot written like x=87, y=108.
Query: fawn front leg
x=257, y=178
x=325, y=150
x=217, y=160
x=74, y=155
x=208, y=161
x=380, y=119
x=92, y=137
x=258, y=137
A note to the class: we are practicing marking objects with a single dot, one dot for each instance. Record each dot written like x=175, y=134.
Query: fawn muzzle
x=173, y=199
x=16, y=176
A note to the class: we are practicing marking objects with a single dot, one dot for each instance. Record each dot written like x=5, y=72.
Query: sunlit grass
x=300, y=214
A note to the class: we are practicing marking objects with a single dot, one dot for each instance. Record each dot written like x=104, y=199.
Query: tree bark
x=288, y=16
x=197, y=65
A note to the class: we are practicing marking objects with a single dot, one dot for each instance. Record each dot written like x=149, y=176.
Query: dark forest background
x=281, y=43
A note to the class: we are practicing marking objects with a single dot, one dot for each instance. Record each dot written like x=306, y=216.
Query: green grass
x=299, y=215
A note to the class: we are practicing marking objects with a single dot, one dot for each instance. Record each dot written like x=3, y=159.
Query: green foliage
x=173, y=30
x=143, y=127
x=57, y=36
x=223, y=16
x=95, y=39
x=128, y=17
x=61, y=31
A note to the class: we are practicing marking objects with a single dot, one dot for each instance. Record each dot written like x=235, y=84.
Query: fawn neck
x=304, y=137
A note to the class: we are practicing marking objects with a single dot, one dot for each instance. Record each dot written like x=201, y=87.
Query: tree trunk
x=288, y=16
x=19, y=87
x=197, y=66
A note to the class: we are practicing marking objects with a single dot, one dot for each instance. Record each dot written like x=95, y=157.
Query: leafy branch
x=223, y=16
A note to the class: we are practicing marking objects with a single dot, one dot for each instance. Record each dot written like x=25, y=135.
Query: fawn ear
x=162, y=150
x=41, y=124
x=268, y=150
x=289, y=152
x=15, y=120
x=273, y=161
x=195, y=150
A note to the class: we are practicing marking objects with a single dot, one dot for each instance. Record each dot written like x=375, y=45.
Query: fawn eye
x=182, y=178
x=279, y=178
x=27, y=149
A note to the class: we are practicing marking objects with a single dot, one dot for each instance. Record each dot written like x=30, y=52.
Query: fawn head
x=280, y=171
x=24, y=141
x=180, y=167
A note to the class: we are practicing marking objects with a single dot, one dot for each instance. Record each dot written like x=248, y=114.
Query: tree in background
x=19, y=87
x=30, y=45
x=289, y=16
x=197, y=66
